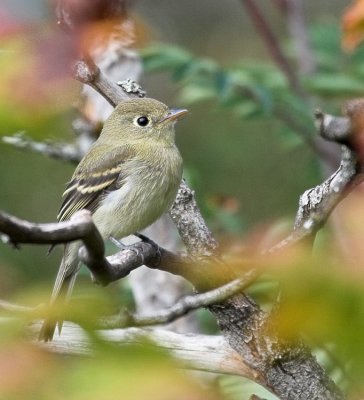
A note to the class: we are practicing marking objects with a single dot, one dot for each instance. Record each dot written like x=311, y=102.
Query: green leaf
x=335, y=84
x=164, y=57
x=194, y=93
x=195, y=68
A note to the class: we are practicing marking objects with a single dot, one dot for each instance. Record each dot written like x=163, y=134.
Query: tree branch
x=20, y=231
x=316, y=204
x=119, y=265
x=298, y=28
x=190, y=224
x=273, y=46
x=287, y=370
x=200, y=352
x=276, y=365
x=181, y=308
x=61, y=151
x=241, y=320
x=87, y=72
x=17, y=231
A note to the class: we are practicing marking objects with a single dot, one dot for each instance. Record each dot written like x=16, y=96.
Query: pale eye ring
x=142, y=121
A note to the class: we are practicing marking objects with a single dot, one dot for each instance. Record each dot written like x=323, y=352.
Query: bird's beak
x=174, y=114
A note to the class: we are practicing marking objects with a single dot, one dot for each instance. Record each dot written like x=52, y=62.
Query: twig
x=119, y=265
x=317, y=204
x=62, y=151
x=195, y=234
x=332, y=128
x=283, y=63
x=87, y=72
x=182, y=307
x=17, y=231
x=20, y=231
x=297, y=26
x=240, y=318
x=191, y=225
x=273, y=46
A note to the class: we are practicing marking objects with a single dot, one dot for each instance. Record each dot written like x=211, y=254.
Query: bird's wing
x=86, y=189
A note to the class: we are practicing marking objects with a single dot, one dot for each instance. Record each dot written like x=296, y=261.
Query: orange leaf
x=353, y=25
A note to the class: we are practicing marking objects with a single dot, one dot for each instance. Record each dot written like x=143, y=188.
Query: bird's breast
x=147, y=190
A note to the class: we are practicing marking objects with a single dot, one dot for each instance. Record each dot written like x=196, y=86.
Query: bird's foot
x=130, y=247
x=137, y=251
x=119, y=244
x=146, y=239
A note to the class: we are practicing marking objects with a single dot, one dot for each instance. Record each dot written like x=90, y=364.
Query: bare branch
x=261, y=22
x=195, y=234
x=240, y=318
x=179, y=309
x=16, y=231
x=298, y=28
x=190, y=224
x=332, y=128
x=117, y=266
x=87, y=72
x=182, y=307
x=61, y=151
x=273, y=46
x=199, y=352
x=20, y=231
x=317, y=204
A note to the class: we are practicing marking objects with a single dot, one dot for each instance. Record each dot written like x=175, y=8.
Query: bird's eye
x=142, y=121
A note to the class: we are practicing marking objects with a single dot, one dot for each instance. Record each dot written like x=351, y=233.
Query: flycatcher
x=128, y=179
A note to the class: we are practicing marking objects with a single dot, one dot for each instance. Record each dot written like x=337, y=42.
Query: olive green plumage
x=128, y=179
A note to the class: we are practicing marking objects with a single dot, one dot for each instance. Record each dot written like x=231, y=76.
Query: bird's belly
x=134, y=206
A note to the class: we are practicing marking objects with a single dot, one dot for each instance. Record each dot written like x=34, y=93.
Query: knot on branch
x=131, y=87
x=86, y=71
x=332, y=128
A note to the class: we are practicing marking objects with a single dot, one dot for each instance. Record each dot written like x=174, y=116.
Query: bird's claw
x=122, y=246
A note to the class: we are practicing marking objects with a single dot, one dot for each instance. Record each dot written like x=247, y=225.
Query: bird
x=127, y=180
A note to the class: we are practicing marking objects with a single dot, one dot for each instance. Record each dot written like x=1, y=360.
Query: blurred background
x=247, y=166
x=251, y=73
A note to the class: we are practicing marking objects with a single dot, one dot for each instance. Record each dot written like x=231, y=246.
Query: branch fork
x=240, y=318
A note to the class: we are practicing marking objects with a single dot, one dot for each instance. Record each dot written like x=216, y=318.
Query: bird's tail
x=62, y=290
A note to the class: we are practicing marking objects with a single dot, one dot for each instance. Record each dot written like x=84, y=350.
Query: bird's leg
x=118, y=243
x=143, y=238
x=122, y=246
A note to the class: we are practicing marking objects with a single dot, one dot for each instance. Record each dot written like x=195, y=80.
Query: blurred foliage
x=35, y=88
x=248, y=166
x=132, y=372
x=256, y=90
x=327, y=305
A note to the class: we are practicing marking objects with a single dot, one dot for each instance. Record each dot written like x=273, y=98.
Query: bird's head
x=139, y=119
